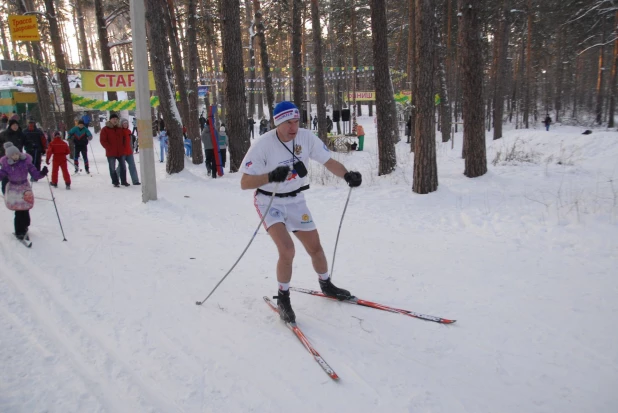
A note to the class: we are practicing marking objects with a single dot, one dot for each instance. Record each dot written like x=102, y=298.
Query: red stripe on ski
x=377, y=306
x=303, y=339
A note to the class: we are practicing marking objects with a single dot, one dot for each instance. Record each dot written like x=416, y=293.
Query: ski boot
x=54, y=185
x=285, y=307
x=329, y=289
x=68, y=186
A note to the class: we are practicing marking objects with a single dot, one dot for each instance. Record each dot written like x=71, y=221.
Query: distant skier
x=547, y=122
x=15, y=167
x=81, y=136
x=59, y=150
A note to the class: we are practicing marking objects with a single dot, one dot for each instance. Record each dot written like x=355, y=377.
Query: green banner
x=109, y=104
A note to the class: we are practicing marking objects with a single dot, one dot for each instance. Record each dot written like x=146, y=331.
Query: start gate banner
x=108, y=81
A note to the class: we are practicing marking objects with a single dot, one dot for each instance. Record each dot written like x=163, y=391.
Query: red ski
x=306, y=343
x=377, y=306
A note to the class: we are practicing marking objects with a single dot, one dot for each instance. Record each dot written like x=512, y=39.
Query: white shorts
x=291, y=211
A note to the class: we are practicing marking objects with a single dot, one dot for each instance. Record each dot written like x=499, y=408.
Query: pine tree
x=236, y=124
x=472, y=84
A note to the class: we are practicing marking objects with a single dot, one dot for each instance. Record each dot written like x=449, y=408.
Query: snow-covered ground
x=525, y=258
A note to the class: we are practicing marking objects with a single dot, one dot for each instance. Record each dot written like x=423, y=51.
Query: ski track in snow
x=523, y=257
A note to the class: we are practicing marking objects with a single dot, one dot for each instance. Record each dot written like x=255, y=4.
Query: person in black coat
x=34, y=143
x=12, y=134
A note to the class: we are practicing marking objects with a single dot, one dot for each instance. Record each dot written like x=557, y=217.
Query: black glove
x=279, y=174
x=353, y=178
x=44, y=171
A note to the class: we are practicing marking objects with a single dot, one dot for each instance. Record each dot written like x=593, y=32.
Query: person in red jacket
x=113, y=140
x=59, y=149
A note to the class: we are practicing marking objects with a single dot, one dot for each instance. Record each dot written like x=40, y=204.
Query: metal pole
x=142, y=100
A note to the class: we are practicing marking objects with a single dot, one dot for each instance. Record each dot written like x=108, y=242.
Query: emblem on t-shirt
x=248, y=164
x=298, y=150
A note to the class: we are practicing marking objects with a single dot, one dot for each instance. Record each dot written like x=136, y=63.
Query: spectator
x=223, y=142
x=163, y=144
x=360, y=132
x=251, y=124
x=113, y=140
x=35, y=143
x=211, y=167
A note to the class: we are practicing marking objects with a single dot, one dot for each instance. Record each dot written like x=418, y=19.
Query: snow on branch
x=119, y=43
x=597, y=45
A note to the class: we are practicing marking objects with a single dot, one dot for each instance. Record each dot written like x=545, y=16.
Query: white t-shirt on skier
x=268, y=152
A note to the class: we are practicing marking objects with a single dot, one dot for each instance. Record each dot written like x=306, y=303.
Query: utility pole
x=142, y=101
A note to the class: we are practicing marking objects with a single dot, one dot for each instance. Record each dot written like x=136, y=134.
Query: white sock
x=284, y=286
x=324, y=276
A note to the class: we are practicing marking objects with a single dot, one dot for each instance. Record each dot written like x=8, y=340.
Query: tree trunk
x=39, y=73
x=499, y=69
x=425, y=166
x=445, y=106
x=414, y=77
x=161, y=67
x=559, y=75
x=528, y=68
x=359, y=111
x=5, y=43
x=268, y=80
x=319, y=70
x=193, y=127
x=612, y=85
x=106, y=56
x=297, y=57
x=472, y=84
x=600, y=71
x=385, y=101
x=179, y=75
x=252, y=83
x=236, y=125
x=60, y=63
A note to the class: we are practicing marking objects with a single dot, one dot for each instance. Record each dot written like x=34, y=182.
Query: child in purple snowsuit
x=15, y=166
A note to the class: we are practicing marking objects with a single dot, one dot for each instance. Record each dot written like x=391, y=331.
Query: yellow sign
x=362, y=96
x=93, y=81
x=24, y=28
x=24, y=97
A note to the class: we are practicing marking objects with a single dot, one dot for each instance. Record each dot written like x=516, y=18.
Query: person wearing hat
x=113, y=140
x=13, y=134
x=276, y=162
x=35, y=143
x=81, y=137
x=59, y=149
x=14, y=169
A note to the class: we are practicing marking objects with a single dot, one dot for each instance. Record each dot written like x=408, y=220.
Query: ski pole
x=272, y=197
x=94, y=158
x=332, y=265
x=55, y=206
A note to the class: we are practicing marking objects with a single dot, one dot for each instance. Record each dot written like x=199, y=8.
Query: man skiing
x=81, y=136
x=277, y=160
